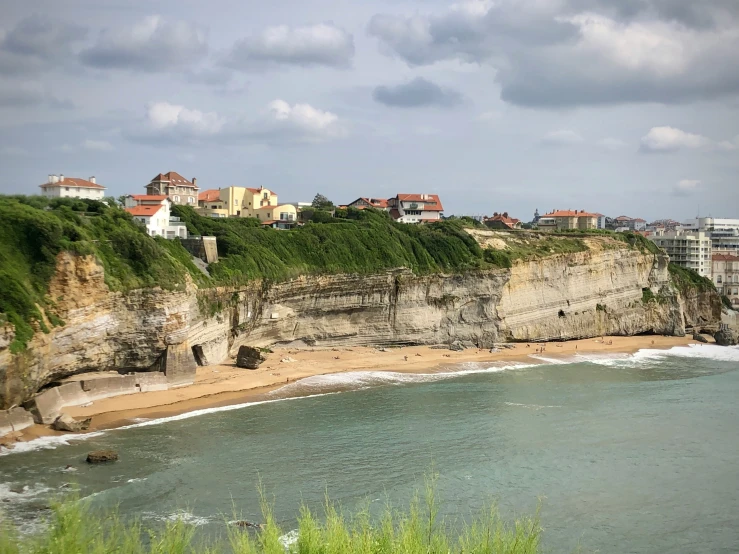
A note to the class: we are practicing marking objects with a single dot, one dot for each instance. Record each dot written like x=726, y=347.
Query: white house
x=154, y=212
x=72, y=187
x=415, y=208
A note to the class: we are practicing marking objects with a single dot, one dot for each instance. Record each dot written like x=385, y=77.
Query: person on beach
x=405, y=358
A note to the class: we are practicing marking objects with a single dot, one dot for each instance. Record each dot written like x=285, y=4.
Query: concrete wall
x=205, y=248
x=13, y=420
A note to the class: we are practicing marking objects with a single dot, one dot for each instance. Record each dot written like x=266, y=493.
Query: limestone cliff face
x=564, y=296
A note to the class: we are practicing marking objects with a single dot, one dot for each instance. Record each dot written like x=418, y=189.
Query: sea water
x=626, y=453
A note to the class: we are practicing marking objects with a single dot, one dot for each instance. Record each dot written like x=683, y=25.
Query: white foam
x=180, y=515
x=47, y=443
x=24, y=494
x=696, y=351
x=289, y=539
x=551, y=361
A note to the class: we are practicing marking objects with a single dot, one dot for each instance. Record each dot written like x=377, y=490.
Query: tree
x=322, y=203
x=122, y=200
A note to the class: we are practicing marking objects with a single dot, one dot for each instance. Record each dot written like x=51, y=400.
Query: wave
x=180, y=515
x=48, y=443
x=646, y=355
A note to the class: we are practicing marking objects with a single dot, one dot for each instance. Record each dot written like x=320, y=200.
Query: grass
x=75, y=528
x=686, y=279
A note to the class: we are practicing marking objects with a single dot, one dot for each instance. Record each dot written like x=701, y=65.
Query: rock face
x=249, y=357
x=102, y=456
x=564, y=296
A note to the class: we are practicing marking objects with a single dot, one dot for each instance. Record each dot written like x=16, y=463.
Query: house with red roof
x=153, y=212
x=173, y=185
x=362, y=203
x=59, y=186
x=502, y=221
x=415, y=208
x=558, y=220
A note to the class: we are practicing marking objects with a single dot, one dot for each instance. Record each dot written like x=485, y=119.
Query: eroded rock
x=726, y=337
x=249, y=357
x=67, y=423
x=102, y=456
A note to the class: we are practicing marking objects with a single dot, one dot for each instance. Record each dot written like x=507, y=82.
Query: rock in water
x=699, y=338
x=101, y=456
x=249, y=357
x=725, y=337
x=67, y=423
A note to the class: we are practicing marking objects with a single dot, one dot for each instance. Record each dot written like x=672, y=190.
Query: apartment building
x=726, y=276
x=687, y=249
x=568, y=219
x=724, y=233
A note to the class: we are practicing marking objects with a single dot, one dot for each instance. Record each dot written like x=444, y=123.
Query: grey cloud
x=153, y=44
x=562, y=56
x=28, y=94
x=417, y=93
x=323, y=44
x=36, y=43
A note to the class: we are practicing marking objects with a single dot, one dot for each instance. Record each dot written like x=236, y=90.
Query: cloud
x=38, y=43
x=280, y=122
x=686, y=187
x=153, y=44
x=670, y=139
x=417, y=93
x=29, y=94
x=729, y=145
x=610, y=143
x=323, y=44
x=489, y=116
x=562, y=137
x=565, y=53
x=97, y=145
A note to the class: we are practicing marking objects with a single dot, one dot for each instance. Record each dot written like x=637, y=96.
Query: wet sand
x=226, y=384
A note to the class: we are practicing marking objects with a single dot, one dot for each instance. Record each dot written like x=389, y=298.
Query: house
x=173, y=185
x=558, y=220
x=211, y=205
x=725, y=272
x=263, y=204
x=153, y=211
x=502, y=221
x=72, y=187
x=632, y=223
x=362, y=203
x=415, y=208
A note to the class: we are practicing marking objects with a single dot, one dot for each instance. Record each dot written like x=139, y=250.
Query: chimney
x=61, y=177
x=92, y=180
x=51, y=178
x=505, y=214
x=194, y=181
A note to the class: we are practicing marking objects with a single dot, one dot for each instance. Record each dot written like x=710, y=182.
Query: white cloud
x=163, y=116
x=323, y=44
x=97, y=145
x=561, y=138
x=686, y=187
x=729, y=145
x=670, y=139
x=152, y=44
x=279, y=122
x=610, y=143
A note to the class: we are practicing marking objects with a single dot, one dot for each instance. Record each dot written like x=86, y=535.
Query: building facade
x=502, y=221
x=687, y=249
x=72, y=187
x=153, y=212
x=361, y=203
x=724, y=233
x=560, y=220
x=175, y=187
x=726, y=276
x=264, y=205
x=415, y=208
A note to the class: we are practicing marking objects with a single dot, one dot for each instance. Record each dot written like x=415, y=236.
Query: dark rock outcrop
x=726, y=337
x=67, y=423
x=102, y=456
x=699, y=338
x=249, y=357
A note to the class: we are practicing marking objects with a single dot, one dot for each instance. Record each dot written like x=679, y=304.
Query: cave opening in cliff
x=197, y=352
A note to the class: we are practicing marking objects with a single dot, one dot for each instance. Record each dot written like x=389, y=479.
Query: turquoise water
x=627, y=453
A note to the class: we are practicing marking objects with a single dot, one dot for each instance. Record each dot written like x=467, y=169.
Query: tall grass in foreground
x=76, y=529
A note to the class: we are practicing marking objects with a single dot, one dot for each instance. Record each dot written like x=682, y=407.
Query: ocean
x=625, y=453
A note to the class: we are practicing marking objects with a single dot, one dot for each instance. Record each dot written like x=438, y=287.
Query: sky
x=613, y=106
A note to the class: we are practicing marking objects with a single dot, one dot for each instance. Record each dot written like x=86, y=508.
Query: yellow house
x=223, y=202
x=568, y=219
x=262, y=203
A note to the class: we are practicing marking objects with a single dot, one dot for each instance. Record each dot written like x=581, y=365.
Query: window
x=719, y=279
x=66, y=189
x=190, y=199
x=176, y=198
x=236, y=202
x=266, y=196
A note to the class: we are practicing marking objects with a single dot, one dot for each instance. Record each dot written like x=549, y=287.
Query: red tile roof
x=380, y=203
x=147, y=211
x=210, y=195
x=257, y=191
x=569, y=213
x=507, y=221
x=725, y=258
x=148, y=197
x=174, y=178
x=74, y=182
x=429, y=201
x=395, y=214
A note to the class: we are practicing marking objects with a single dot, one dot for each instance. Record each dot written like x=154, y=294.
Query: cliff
x=605, y=289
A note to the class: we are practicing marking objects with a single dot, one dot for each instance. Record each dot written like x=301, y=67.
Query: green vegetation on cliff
x=34, y=230
x=686, y=279
x=75, y=528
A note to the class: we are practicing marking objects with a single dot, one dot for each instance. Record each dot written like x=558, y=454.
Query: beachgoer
x=405, y=358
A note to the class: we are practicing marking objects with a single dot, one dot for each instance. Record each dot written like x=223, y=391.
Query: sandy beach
x=226, y=384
